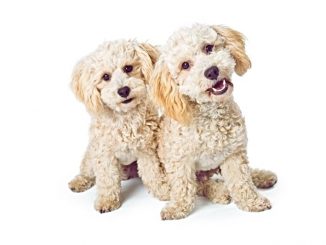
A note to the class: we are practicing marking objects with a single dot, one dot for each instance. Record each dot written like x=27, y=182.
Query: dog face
x=114, y=76
x=196, y=65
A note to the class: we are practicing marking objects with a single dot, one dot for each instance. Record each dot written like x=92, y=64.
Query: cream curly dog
x=112, y=82
x=203, y=129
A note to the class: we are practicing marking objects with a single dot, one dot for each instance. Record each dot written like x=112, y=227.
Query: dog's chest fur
x=219, y=131
x=125, y=135
x=216, y=131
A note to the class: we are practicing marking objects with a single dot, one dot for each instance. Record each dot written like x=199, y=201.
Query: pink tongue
x=219, y=85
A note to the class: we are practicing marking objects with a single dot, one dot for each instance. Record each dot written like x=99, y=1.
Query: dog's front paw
x=81, y=183
x=175, y=211
x=257, y=205
x=105, y=204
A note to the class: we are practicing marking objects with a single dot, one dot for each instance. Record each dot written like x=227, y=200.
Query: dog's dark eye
x=127, y=68
x=106, y=77
x=209, y=48
x=185, y=65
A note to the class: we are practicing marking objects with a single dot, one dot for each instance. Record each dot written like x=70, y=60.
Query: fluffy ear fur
x=148, y=55
x=84, y=86
x=166, y=94
x=234, y=41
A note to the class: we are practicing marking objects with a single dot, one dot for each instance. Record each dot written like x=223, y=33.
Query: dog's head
x=196, y=65
x=114, y=76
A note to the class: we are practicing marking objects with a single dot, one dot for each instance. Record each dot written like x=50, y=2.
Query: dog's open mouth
x=127, y=101
x=219, y=87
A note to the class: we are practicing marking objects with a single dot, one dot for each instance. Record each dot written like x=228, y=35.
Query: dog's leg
x=153, y=175
x=263, y=179
x=86, y=178
x=238, y=180
x=183, y=183
x=108, y=183
x=214, y=190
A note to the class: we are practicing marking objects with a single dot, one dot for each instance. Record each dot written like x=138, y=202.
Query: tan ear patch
x=234, y=41
x=152, y=51
x=166, y=94
x=83, y=85
x=148, y=55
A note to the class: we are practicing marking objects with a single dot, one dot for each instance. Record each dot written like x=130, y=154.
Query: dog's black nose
x=212, y=73
x=124, y=91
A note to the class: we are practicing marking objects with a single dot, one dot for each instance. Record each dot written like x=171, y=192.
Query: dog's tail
x=263, y=179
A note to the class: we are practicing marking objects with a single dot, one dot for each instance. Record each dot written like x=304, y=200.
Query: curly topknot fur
x=124, y=124
x=204, y=128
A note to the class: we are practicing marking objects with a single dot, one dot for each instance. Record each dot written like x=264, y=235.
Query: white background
x=43, y=129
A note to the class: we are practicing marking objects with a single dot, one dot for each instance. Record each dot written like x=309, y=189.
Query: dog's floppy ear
x=148, y=55
x=167, y=95
x=234, y=41
x=83, y=85
x=152, y=51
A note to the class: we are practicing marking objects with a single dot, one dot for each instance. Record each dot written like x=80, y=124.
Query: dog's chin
x=126, y=105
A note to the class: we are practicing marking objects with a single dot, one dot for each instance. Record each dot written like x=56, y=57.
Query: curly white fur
x=120, y=132
x=201, y=130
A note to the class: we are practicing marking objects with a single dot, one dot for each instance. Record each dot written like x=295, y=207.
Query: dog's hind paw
x=222, y=199
x=217, y=192
x=263, y=179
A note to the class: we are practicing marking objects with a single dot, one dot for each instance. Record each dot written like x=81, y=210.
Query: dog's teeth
x=219, y=88
x=222, y=88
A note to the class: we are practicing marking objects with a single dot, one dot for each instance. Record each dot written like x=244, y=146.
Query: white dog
x=203, y=129
x=112, y=82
